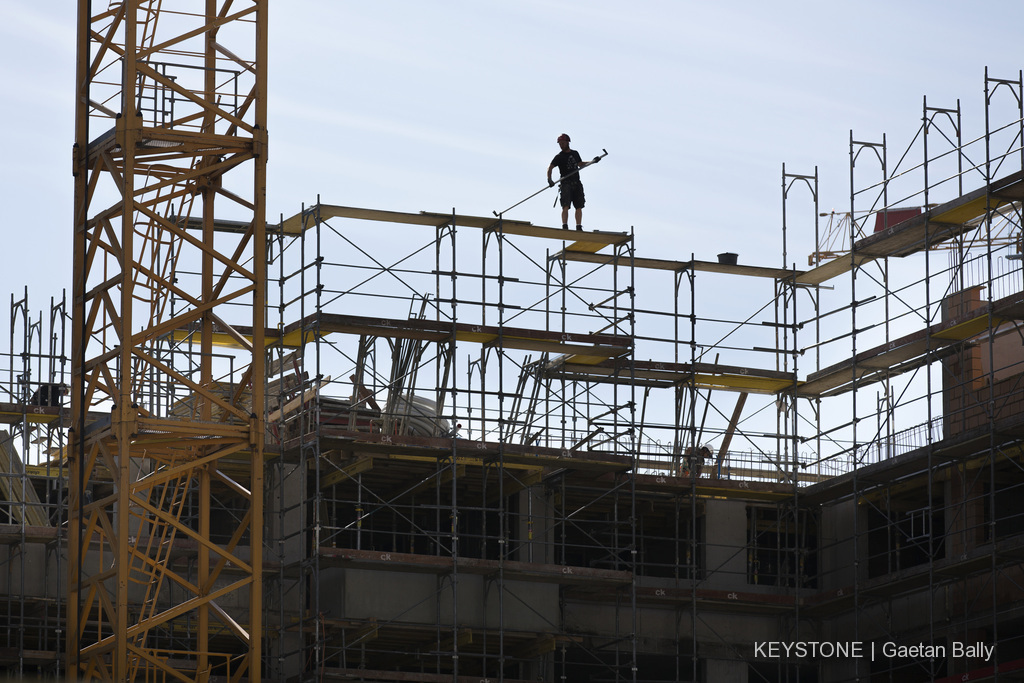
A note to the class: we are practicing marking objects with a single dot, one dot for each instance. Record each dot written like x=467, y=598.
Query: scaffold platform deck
x=924, y=231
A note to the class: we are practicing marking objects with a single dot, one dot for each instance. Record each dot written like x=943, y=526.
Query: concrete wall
x=725, y=533
x=841, y=559
x=469, y=600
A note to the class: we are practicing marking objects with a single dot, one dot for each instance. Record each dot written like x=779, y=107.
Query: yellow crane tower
x=170, y=122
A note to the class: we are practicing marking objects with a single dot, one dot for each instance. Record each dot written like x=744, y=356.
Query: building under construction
x=502, y=451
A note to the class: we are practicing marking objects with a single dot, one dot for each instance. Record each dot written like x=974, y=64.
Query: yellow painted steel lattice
x=143, y=481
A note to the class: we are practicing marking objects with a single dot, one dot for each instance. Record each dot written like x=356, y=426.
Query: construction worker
x=570, y=189
x=693, y=461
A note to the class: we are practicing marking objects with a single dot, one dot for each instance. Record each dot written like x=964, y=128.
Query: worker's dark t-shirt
x=567, y=162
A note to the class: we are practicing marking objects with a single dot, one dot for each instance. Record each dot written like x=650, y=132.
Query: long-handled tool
x=603, y=154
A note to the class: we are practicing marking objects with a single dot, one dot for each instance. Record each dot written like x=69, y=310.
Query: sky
x=414, y=106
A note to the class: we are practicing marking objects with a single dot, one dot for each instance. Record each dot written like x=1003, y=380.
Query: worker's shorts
x=572, y=193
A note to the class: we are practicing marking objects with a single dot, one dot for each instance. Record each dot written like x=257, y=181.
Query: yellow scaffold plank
x=746, y=383
x=590, y=241
x=968, y=328
x=926, y=230
x=584, y=256
x=666, y=374
x=31, y=414
x=831, y=269
x=907, y=348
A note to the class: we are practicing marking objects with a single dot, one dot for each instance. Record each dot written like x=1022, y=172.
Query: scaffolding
x=530, y=508
x=33, y=487
x=846, y=514
x=928, y=382
x=436, y=460
x=503, y=451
